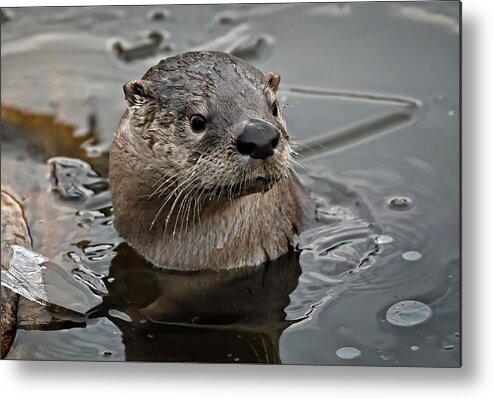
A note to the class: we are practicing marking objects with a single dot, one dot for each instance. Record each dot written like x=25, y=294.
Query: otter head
x=200, y=165
x=208, y=121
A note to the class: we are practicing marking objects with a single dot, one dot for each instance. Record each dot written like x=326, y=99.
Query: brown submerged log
x=14, y=232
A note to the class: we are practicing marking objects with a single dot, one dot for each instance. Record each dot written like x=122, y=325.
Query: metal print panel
x=242, y=183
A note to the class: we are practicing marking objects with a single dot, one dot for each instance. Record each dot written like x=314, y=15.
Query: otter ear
x=137, y=92
x=273, y=80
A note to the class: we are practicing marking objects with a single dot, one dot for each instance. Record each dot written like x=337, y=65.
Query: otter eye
x=275, y=111
x=197, y=122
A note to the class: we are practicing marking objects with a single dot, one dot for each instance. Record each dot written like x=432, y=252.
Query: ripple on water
x=334, y=250
x=408, y=313
x=101, y=340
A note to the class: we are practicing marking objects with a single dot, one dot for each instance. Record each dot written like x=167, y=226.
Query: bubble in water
x=399, y=203
x=414, y=348
x=236, y=359
x=411, y=256
x=348, y=352
x=408, y=313
x=448, y=347
x=384, y=239
x=150, y=336
x=451, y=113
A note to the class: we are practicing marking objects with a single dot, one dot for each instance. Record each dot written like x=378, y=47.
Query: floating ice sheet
x=38, y=279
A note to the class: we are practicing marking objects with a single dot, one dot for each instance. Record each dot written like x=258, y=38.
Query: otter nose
x=258, y=139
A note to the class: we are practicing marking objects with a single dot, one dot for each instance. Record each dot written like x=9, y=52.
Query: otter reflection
x=235, y=316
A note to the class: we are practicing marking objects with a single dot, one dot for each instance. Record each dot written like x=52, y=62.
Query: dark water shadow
x=229, y=316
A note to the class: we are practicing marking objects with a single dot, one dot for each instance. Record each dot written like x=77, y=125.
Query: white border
x=474, y=380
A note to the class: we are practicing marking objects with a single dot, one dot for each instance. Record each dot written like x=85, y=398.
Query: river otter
x=200, y=167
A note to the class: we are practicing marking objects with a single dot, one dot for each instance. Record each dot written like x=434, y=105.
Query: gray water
x=371, y=96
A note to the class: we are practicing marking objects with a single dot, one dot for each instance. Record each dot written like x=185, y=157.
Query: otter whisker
x=201, y=201
x=196, y=206
x=189, y=208
x=159, y=180
x=296, y=143
x=182, y=207
x=168, y=217
x=194, y=182
x=292, y=160
x=185, y=205
x=165, y=184
x=160, y=187
x=182, y=202
x=231, y=183
x=165, y=201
